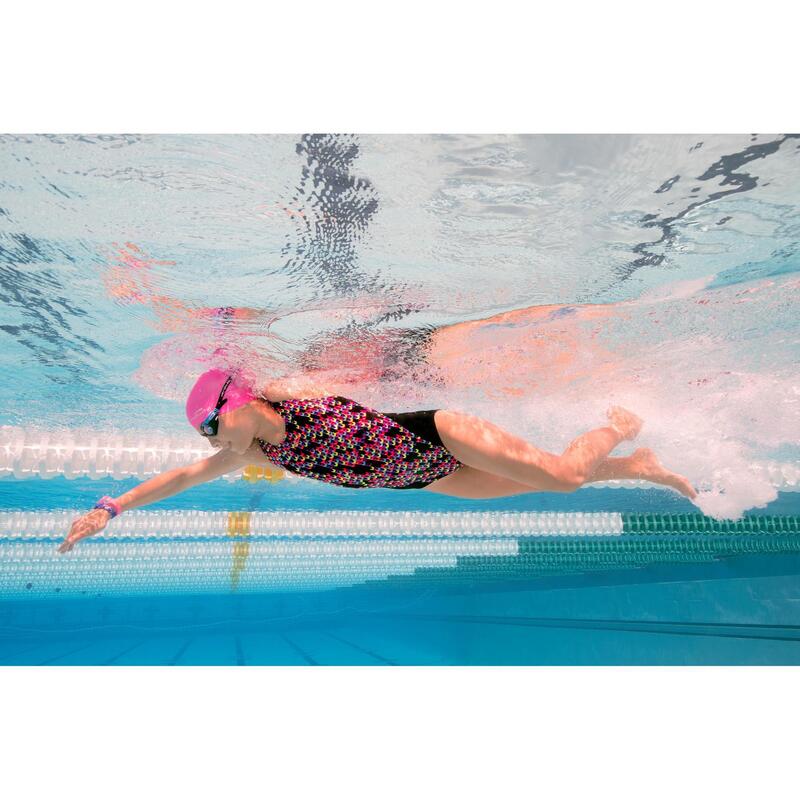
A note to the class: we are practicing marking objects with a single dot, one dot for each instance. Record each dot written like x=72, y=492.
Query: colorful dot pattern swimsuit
x=339, y=441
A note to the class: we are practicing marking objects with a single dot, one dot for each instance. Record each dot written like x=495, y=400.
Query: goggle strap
x=221, y=400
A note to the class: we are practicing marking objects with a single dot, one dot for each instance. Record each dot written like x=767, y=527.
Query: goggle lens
x=210, y=425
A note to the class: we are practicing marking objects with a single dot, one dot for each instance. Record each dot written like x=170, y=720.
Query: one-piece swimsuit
x=337, y=440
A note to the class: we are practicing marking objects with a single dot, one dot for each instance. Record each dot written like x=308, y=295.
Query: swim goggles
x=210, y=425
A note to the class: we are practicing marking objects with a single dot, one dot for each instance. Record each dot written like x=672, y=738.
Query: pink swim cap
x=203, y=397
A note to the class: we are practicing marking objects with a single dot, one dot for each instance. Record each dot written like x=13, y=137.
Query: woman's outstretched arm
x=159, y=487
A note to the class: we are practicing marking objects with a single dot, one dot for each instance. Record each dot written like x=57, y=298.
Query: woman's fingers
x=69, y=541
x=72, y=537
x=87, y=525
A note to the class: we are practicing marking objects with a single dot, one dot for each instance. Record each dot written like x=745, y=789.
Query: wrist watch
x=110, y=505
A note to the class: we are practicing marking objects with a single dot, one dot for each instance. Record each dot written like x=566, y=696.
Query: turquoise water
x=638, y=598
x=406, y=272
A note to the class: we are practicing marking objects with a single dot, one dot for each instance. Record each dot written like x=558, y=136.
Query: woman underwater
x=334, y=439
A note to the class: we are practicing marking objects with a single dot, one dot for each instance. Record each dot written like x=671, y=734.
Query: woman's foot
x=650, y=468
x=624, y=422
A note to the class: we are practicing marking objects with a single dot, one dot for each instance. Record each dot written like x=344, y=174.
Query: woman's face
x=234, y=432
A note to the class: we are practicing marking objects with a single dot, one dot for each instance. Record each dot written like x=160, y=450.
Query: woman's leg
x=484, y=446
x=643, y=465
x=468, y=482
x=474, y=484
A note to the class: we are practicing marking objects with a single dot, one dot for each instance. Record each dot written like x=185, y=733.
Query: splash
x=712, y=371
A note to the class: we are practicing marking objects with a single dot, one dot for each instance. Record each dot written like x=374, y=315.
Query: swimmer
x=336, y=440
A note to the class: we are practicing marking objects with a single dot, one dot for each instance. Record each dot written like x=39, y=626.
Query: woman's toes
x=625, y=422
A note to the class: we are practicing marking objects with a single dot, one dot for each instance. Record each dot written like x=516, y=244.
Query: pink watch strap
x=110, y=505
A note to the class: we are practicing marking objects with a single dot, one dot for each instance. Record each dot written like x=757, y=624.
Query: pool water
x=574, y=601
x=532, y=281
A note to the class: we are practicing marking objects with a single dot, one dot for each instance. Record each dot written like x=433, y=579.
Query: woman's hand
x=87, y=525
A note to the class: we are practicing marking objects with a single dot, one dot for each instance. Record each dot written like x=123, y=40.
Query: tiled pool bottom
x=637, y=598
